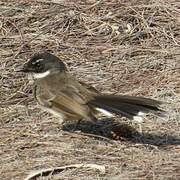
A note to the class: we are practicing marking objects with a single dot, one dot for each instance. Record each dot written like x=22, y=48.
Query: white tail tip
x=106, y=113
x=139, y=117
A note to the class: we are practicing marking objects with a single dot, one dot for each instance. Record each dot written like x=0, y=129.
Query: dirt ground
x=118, y=46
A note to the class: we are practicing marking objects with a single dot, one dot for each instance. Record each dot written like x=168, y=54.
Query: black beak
x=19, y=69
x=24, y=69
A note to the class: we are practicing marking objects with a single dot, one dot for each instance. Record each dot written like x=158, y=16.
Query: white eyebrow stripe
x=38, y=60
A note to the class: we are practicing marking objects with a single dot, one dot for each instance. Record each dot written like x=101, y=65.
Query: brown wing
x=67, y=97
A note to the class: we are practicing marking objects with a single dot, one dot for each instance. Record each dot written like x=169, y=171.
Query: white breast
x=55, y=113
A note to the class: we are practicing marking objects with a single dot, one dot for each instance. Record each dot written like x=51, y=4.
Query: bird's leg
x=92, y=119
x=140, y=127
x=78, y=124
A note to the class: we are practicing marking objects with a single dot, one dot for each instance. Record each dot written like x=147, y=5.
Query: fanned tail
x=127, y=106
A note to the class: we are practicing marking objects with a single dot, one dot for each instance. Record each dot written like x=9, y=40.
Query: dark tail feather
x=127, y=106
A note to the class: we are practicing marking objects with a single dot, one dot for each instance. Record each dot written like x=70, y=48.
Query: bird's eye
x=38, y=64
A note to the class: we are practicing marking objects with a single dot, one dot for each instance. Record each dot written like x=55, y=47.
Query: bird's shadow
x=121, y=131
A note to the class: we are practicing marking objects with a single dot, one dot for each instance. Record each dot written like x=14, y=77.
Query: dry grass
x=129, y=47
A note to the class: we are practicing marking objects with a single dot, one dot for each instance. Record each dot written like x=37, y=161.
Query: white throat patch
x=39, y=75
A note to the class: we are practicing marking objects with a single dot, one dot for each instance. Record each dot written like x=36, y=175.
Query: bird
x=60, y=93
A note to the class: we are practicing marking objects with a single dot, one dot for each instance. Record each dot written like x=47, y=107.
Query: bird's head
x=43, y=64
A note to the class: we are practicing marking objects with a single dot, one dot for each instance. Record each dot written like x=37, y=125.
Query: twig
x=55, y=170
